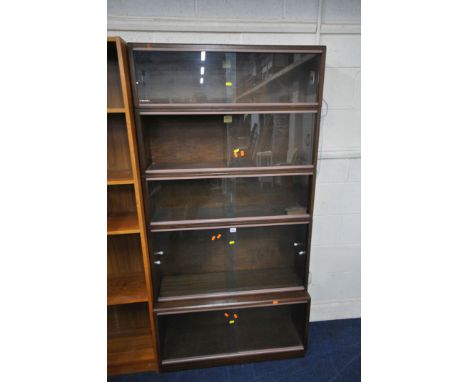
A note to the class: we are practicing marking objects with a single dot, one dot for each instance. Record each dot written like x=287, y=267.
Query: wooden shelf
x=114, y=110
x=126, y=289
x=277, y=75
x=117, y=177
x=226, y=172
x=228, y=283
x=231, y=302
x=230, y=222
x=130, y=353
x=121, y=224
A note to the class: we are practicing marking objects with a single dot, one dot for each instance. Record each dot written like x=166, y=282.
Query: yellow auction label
x=228, y=84
x=227, y=118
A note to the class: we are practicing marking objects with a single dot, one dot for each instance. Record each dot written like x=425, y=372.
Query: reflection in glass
x=228, y=260
x=237, y=140
x=167, y=77
x=228, y=197
x=229, y=331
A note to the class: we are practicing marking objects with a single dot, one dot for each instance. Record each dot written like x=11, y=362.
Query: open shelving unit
x=228, y=140
x=131, y=343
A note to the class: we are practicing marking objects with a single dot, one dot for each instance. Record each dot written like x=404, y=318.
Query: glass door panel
x=172, y=200
x=228, y=260
x=195, y=336
x=208, y=77
x=223, y=141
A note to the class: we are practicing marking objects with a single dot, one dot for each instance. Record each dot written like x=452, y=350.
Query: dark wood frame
x=263, y=298
x=172, y=108
x=260, y=221
x=235, y=302
x=224, y=171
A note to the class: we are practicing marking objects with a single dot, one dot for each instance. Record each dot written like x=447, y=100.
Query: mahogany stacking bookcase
x=228, y=138
x=131, y=341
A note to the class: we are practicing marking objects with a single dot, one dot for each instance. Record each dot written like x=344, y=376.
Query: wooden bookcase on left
x=130, y=328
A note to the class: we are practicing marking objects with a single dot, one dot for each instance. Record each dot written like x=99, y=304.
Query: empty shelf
x=120, y=224
x=226, y=283
x=116, y=177
x=126, y=289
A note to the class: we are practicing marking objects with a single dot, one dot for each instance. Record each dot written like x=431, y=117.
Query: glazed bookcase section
x=228, y=261
x=191, y=75
x=230, y=335
x=182, y=201
x=197, y=142
x=228, y=139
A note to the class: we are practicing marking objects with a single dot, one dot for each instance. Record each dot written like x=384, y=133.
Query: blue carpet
x=333, y=355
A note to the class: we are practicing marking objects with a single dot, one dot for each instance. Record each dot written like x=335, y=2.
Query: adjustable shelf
x=126, y=289
x=116, y=177
x=115, y=110
x=131, y=340
x=122, y=216
x=122, y=223
x=228, y=140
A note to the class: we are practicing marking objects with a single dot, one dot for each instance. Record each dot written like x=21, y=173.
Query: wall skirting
x=207, y=25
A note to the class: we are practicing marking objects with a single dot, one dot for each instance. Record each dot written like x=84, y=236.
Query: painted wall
x=335, y=264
